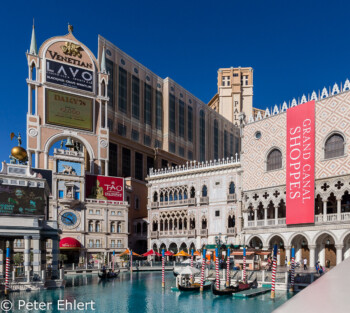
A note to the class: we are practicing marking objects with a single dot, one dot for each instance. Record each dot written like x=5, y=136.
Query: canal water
x=139, y=292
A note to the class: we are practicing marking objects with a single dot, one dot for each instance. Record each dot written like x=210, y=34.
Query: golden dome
x=19, y=153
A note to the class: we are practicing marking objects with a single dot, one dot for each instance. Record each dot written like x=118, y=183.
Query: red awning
x=168, y=253
x=69, y=243
x=151, y=252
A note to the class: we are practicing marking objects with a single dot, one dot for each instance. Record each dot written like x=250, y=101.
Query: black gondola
x=233, y=289
x=195, y=287
x=108, y=275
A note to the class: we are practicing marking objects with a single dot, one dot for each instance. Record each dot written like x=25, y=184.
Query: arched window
x=166, y=196
x=204, y=191
x=119, y=227
x=193, y=192
x=231, y=221
x=175, y=196
x=155, y=225
x=155, y=197
x=274, y=160
x=103, y=88
x=170, y=196
x=98, y=228
x=204, y=223
x=161, y=197
x=144, y=228
x=231, y=188
x=185, y=194
x=113, y=227
x=201, y=136
x=91, y=227
x=216, y=140
x=180, y=195
x=334, y=146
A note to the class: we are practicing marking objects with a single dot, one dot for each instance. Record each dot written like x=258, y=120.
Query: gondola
x=233, y=289
x=195, y=287
x=108, y=275
x=175, y=273
x=224, y=292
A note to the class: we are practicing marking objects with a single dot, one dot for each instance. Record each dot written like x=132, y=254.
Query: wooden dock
x=251, y=292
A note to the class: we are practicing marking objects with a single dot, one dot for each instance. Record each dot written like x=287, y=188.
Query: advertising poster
x=300, y=164
x=17, y=200
x=68, y=75
x=68, y=110
x=104, y=187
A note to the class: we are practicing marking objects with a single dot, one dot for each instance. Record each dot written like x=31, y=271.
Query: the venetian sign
x=68, y=110
x=300, y=173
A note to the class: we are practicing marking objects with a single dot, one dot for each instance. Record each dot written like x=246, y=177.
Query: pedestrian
x=317, y=267
x=286, y=262
x=305, y=263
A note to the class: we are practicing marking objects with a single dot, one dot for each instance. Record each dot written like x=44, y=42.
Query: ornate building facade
x=190, y=205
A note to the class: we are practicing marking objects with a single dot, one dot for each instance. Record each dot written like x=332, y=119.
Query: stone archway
x=281, y=256
x=184, y=247
x=302, y=250
x=346, y=246
x=255, y=243
x=325, y=250
x=173, y=248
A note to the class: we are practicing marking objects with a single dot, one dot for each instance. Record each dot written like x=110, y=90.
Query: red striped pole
x=191, y=277
x=203, y=267
x=228, y=268
x=113, y=261
x=274, y=266
x=244, y=265
x=292, y=271
x=163, y=269
x=217, y=268
x=7, y=273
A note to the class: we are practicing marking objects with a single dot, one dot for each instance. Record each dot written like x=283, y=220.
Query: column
x=339, y=253
x=312, y=256
x=2, y=257
x=298, y=254
x=278, y=257
x=26, y=252
x=276, y=214
x=325, y=211
x=322, y=255
x=55, y=253
x=338, y=210
x=245, y=219
x=36, y=255
x=265, y=216
x=255, y=216
x=43, y=253
x=288, y=253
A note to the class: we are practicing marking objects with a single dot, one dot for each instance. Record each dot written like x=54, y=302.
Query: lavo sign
x=68, y=75
x=300, y=176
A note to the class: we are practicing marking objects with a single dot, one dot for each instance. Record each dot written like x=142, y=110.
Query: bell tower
x=67, y=98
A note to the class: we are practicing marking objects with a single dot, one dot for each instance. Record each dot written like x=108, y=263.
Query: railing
x=191, y=201
x=178, y=232
x=232, y=197
x=94, y=246
x=318, y=218
x=250, y=224
x=116, y=246
x=231, y=230
x=204, y=200
x=203, y=232
x=331, y=217
x=154, y=234
x=271, y=222
x=345, y=216
x=260, y=223
x=106, y=202
x=281, y=221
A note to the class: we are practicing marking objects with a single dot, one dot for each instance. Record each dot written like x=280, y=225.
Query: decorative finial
x=33, y=47
x=70, y=28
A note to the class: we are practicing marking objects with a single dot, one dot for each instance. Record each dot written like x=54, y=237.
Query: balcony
x=177, y=233
x=163, y=204
x=94, y=246
x=231, y=197
x=232, y=230
x=204, y=200
x=331, y=218
x=154, y=234
x=116, y=246
x=263, y=223
x=203, y=232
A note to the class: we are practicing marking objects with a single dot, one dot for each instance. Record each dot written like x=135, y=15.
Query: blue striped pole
x=228, y=268
x=274, y=266
x=244, y=264
x=203, y=267
x=292, y=272
x=7, y=273
x=191, y=277
x=217, y=268
x=163, y=268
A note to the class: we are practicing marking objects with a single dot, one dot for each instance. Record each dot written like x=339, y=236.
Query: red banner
x=300, y=174
x=104, y=187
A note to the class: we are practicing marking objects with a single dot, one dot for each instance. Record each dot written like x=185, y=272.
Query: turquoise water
x=141, y=292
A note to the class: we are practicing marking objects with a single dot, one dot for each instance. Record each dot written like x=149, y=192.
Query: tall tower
x=235, y=93
x=67, y=97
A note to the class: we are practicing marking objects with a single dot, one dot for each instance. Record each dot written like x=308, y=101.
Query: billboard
x=300, y=164
x=68, y=110
x=68, y=75
x=20, y=200
x=104, y=187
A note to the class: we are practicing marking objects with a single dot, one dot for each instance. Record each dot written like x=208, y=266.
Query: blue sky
x=294, y=47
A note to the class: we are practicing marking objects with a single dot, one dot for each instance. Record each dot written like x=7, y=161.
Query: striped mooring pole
x=163, y=269
x=244, y=264
x=191, y=277
x=7, y=271
x=228, y=268
x=217, y=268
x=274, y=266
x=113, y=261
x=292, y=273
x=131, y=261
x=203, y=267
